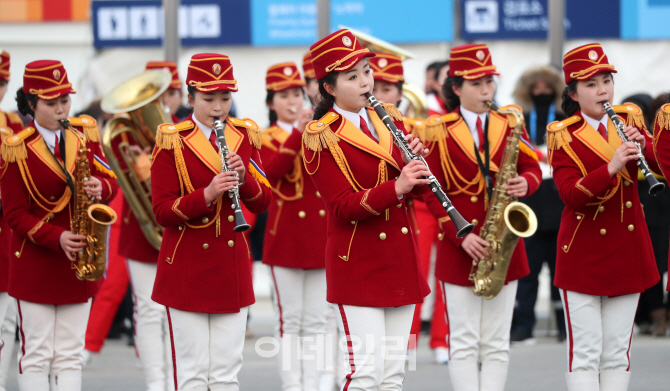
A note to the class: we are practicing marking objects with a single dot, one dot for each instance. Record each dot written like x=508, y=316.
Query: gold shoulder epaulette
x=392, y=111
x=167, y=135
x=89, y=126
x=318, y=135
x=14, y=118
x=436, y=125
x=14, y=148
x=267, y=137
x=5, y=132
x=663, y=117
x=251, y=127
x=557, y=132
x=415, y=127
x=634, y=116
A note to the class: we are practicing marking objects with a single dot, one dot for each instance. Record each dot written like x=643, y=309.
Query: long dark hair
x=568, y=105
x=24, y=101
x=452, y=100
x=325, y=101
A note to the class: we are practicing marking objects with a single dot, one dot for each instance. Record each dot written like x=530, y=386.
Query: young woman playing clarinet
x=662, y=142
x=53, y=304
x=372, y=267
x=605, y=258
x=203, y=277
x=467, y=150
x=297, y=215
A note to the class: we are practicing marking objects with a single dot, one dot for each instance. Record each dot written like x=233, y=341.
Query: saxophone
x=89, y=219
x=506, y=220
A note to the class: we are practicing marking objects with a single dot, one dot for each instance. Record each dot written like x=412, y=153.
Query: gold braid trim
x=175, y=209
x=34, y=230
x=15, y=152
x=453, y=177
x=365, y=205
x=294, y=177
x=584, y=190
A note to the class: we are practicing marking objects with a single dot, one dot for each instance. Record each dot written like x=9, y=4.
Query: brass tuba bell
x=139, y=113
x=417, y=103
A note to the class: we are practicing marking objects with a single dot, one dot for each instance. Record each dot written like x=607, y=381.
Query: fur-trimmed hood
x=522, y=91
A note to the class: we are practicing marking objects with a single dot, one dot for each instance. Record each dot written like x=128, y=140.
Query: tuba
x=137, y=102
x=507, y=220
x=89, y=219
x=417, y=104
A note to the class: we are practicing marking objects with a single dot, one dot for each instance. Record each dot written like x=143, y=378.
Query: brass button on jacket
x=205, y=220
x=404, y=230
x=631, y=227
x=205, y=246
x=382, y=236
x=231, y=243
x=231, y=218
x=474, y=198
x=302, y=214
x=603, y=231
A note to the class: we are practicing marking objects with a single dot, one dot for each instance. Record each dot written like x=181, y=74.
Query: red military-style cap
x=471, y=62
x=170, y=66
x=584, y=62
x=209, y=72
x=4, y=66
x=387, y=67
x=47, y=79
x=282, y=76
x=338, y=52
x=307, y=67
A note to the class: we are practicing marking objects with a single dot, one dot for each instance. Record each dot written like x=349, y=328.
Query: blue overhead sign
x=293, y=22
x=645, y=19
x=141, y=22
x=528, y=19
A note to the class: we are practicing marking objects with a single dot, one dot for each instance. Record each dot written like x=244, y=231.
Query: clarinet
x=463, y=227
x=655, y=187
x=234, y=193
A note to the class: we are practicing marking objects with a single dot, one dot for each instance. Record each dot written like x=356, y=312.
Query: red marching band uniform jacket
x=451, y=159
x=10, y=123
x=662, y=143
x=604, y=247
x=371, y=254
x=295, y=236
x=37, y=205
x=203, y=265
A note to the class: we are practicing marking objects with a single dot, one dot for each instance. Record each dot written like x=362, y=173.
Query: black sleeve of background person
x=257, y=235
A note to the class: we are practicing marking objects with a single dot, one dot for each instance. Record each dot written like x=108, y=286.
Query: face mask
x=543, y=99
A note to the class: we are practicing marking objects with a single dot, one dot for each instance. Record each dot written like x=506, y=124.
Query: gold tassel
x=636, y=120
x=92, y=133
x=170, y=140
x=13, y=153
x=319, y=140
x=254, y=137
x=663, y=117
x=392, y=111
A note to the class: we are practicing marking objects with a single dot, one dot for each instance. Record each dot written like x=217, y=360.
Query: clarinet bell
x=240, y=223
x=655, y=187
x=463, y=227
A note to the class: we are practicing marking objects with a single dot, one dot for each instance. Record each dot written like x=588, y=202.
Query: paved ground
x=537, y=367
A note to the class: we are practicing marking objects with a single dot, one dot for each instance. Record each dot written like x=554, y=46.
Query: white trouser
x=7, y=333
x=52, y=342
x=149, y=318
x=301, y=307
x=207, y=349
x=600, y=333
x=376, y=346
x=479, y=331
x=333, y=369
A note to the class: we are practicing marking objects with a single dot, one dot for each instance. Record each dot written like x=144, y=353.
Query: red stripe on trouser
x=567, y=316
x=630, y=341
x=174, y=354
x=350, y=347
x=281, y=317
x=446, y=318
x=23, y=336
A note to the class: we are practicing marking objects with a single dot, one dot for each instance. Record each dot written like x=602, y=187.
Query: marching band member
x=298, y=212
x=605, y=258
x=372, y=267
x=172, y=97
x=311, y=83
x=203, y=277
x=53, y=305
x=661, y=142
x=10, y=123
x=387, y=70
x=468, y=146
